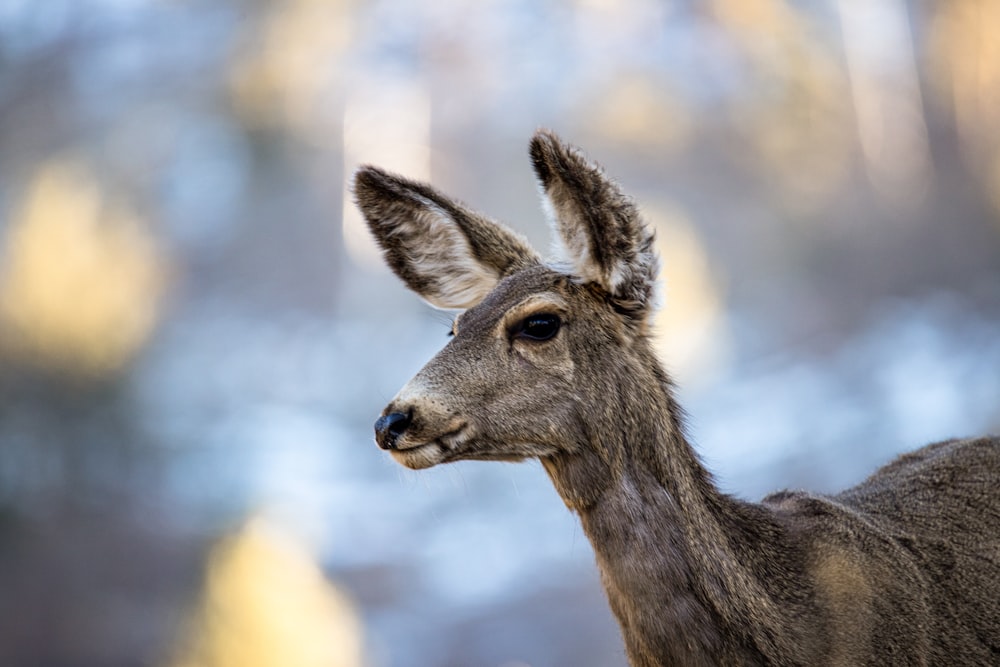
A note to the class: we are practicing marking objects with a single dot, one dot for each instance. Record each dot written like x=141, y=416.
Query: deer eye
x=538, y=327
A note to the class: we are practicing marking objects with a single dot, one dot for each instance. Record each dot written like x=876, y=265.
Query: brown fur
x=903, y=569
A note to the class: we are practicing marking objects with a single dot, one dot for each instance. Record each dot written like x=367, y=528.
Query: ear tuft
x=542, y=153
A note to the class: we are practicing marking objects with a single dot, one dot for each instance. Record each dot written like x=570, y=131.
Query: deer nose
x=389, y=427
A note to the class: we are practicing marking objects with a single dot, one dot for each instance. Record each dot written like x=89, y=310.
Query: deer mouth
x=428, y=453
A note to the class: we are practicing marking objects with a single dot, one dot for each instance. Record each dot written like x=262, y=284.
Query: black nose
x=389, y=427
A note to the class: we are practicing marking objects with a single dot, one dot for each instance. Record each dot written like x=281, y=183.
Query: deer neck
x=666, y=539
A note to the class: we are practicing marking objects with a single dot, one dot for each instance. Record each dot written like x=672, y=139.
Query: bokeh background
x=196, y=333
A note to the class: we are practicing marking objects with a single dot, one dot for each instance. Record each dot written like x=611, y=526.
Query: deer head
x=543, y=352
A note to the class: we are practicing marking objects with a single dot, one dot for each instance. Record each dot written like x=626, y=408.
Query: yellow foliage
x=965, y=61
x=965, y=65
x=799, y=124
x=80, y=280
x=267, y=604
x=639, y=111
x=285, y=74
x=691, y=329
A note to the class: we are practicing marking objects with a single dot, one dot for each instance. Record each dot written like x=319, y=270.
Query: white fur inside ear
x=570, y=244
x=618, y=276
x=444, y=260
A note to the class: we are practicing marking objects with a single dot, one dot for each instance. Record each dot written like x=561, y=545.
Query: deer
x=553, y=359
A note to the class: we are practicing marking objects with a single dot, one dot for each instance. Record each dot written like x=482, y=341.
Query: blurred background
x=196, y=333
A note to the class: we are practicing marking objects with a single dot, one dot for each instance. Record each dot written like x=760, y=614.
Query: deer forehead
x=535, y=290
x=498, y=318
x=533, y=285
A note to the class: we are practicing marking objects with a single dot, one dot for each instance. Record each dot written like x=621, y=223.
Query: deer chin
x=459, y=445
x=429, y=453
x=422, y=456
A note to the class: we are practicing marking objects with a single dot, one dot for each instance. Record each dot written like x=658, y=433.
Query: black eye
x=538, y=327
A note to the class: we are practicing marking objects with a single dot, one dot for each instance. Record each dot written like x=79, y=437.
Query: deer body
x=554, y=361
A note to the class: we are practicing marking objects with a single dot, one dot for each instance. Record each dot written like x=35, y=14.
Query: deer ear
x=598, y=229
x=447, y=254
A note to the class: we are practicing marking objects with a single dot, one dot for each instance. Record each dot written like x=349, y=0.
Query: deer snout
x=389, y=427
